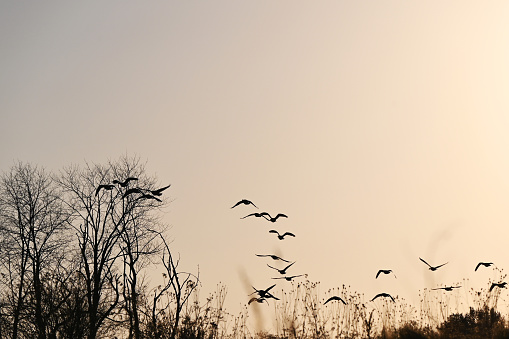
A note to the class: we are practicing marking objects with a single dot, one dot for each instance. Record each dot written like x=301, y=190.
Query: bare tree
x=33, y=225
x=178, y=287
x=108, y=203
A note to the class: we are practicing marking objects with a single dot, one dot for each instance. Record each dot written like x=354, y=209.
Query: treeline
x=75, y=247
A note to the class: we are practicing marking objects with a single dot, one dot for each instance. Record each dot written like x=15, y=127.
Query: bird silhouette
x=433, y=268
x=245, y=202
x=499, y=285
x=275, y=257
x=148, y=196
x=273, y=219
x=263, y=293
x=335, y=298
x=386, y=295
x=385, y=272
x=258, y=215
x=290, y=278
x=131, y=191
x=281, y=237
x=283, y=271
x=446, y=288
x=485, y=264
x=159, y=192
x=125, y=182
x=258, y=300
x=106, y=187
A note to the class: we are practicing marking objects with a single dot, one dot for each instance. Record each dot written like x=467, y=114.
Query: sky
x=378, y=127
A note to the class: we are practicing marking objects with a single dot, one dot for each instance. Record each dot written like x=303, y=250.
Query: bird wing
x=441, y=265
x=273, y=267
x=330, y=299
x=380, y=271
x=274, y=231
x=424, y=262
x=252, y=204
x=376, y=296
x=289, y=266
x=390, y=296
x=237, y=204
x=479, y=264
x=158, y=191
x=492, y=286
x=98, y=189
x=249, y=215
x=262, y=255
x=269, y=288
x=289, y=234
x=280, y=215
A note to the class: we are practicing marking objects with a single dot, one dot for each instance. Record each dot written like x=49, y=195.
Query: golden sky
x=379, y=127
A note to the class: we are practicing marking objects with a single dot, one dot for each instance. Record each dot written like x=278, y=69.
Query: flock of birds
x=143, y=192
x=264, y=294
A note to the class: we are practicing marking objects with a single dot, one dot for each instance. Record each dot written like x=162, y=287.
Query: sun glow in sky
x=379, y=127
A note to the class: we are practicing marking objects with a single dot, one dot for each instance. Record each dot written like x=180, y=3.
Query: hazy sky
x=379, y=127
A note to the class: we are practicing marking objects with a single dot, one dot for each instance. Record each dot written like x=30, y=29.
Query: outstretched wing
x=280, y=215
x=249, y=215
x=424, y=261
x=289, y=234
x=379, y=271
x=160, y=190
x=274, y=231
x=479, y=264
x=287, y=267
x=269, y=288
x=441, y=265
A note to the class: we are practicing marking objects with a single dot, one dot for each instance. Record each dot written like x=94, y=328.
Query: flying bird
x=499, y=285
x=258, y=215
x=159, y=192
x=335, y=298
x=263, y=293
x=281, y=237
x=273, y=219
x=485, y=264
x=446, y=288
x=386, y=295
x=106, y=187
x=258, y=300
x=274, y=257
x=124, y=183
x=131, y=191
x=433, y=268
x=289, y=278
x=384, y=272
x=245, y=202
x=283, y=271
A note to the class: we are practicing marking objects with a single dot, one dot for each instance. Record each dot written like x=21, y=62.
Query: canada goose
x=283, y=271
x=273, y=219
x=387, y=295
x=125, y=183
x=335, y=298
x=485, y=264
x=281, y=237
x=265, y=293
x=258, y=215
x=159, y=191
x=289, y=278
x=274, y=257
x=385, y=272
x=446, y=288
x=499, y=285
x=258, y=300
x=106, y=187
x=433, y=268
x=245, y=202
x=131, y=191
